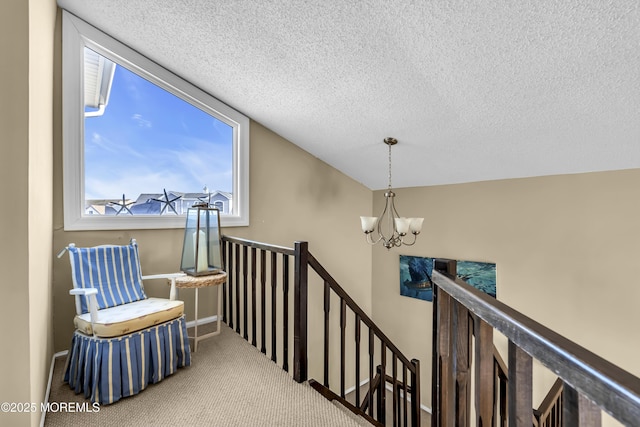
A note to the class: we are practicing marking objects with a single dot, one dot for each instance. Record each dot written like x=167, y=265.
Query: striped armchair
x=123, y=340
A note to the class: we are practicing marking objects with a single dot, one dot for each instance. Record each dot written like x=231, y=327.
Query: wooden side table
x=197, y=282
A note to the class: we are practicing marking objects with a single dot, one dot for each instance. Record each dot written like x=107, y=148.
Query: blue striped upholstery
x=107, y=370
x=113, y=270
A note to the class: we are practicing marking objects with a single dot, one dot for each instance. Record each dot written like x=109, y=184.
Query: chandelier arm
x=393, y=214
x=370, y=239
x=415, y=237
x=390, y=222
x=381, y=219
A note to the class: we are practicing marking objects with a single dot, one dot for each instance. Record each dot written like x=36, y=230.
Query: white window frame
x=77, y=35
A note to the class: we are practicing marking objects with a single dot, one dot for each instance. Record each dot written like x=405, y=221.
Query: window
x=142, y=145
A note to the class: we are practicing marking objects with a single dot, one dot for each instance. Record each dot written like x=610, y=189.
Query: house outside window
x=141, y=145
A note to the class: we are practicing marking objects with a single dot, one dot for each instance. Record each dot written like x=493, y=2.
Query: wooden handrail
x=259, y=245
x=613, y=389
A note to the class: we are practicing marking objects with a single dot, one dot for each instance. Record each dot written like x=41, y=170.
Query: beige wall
x=42, y=24
x=26, y=117
x=294, y=196
x=14, y=180
x=566, y=248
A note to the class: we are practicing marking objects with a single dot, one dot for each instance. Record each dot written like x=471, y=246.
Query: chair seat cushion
x=127, y=318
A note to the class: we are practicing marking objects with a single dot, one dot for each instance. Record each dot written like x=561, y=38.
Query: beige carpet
x=229, y=383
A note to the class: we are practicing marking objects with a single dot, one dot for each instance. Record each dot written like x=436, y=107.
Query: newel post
x=415, y=393
x=300, y=280
x=442, y=386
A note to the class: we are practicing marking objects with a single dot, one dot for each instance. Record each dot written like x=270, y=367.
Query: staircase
x=275, y=295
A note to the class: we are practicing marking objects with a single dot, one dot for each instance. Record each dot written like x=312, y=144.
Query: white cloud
x=133, y=183
x=187, y=169
x=102, y=142
x=143, y=123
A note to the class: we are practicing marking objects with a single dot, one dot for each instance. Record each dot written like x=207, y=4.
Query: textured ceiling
x=473, y=90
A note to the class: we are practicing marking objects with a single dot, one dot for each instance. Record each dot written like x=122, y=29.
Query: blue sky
x=148, y=139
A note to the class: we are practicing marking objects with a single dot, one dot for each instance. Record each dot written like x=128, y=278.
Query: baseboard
x=202, y=321
x=48, y=391
x=389, y=388
x=423, y=407
x=352, y=389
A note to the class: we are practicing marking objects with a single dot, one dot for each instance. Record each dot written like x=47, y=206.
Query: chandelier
x=397, y=227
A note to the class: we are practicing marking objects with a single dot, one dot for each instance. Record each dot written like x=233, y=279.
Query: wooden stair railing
x=590, y=383
x=259, y=273
x=405, y=405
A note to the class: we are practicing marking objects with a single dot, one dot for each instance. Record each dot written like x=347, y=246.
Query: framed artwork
x=415, y=276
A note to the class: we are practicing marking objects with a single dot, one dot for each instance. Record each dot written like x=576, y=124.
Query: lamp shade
x=368, y=223
x=402, y=225
x=201, y=254
x=416, y=225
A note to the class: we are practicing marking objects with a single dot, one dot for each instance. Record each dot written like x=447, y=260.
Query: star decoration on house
x=167, y=203
x=124, y=206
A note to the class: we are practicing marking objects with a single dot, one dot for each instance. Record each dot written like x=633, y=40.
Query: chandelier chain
x=389, y=167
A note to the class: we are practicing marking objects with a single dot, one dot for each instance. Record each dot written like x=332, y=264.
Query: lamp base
x=193, y=272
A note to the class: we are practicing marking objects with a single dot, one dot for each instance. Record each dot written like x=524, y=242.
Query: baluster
x=371, y=353
x=415, y=393
x=357, y=331
x=520, y=387
x=405, y=395
x=484, y=385
x=327, y=308
x=558, y=411
x=263, y=301
x=224, y=287
x=382, y=395
x=245, y=289
x=274, y=282
x=394, y=376
x=238, y=289
x=343, y=325
x=230, y=283
x=503, y=387
x=578, y=411
x=253, y=298
x=285, y=312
